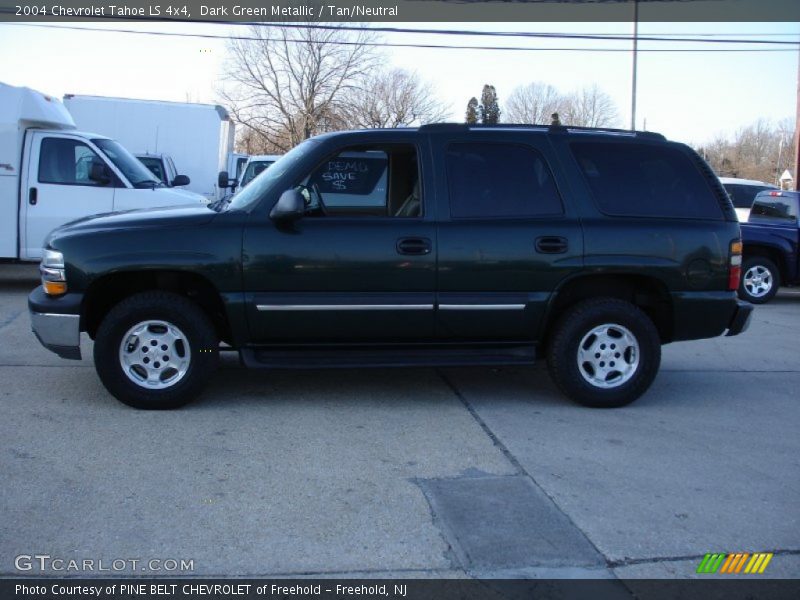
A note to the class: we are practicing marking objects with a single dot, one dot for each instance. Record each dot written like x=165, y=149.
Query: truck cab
x=163, y=167
x=771, y=240
x=51, y=174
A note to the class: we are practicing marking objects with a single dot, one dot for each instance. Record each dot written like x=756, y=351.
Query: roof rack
x=560, y=129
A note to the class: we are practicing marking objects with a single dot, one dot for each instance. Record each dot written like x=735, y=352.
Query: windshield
x=254, y=168
x=248, y=196
x=154, y=165
x=131, y=167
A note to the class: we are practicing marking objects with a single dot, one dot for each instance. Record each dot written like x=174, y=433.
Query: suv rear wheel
x=760, y=280
x=604, y=353
x=155, y=350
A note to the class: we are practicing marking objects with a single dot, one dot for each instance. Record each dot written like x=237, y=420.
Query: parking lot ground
x=411, y=473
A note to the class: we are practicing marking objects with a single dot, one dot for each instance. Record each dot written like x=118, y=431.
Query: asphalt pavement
x=415, y=473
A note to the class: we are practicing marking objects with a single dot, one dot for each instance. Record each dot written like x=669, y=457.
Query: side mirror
x=99, y=173
x=223, y=181
x=180, y=180
x=290, y=206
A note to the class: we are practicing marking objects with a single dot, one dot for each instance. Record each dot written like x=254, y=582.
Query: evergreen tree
x=472, y=111
x=489, y=108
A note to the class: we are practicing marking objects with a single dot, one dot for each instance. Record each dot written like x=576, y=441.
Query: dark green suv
x=443, y=245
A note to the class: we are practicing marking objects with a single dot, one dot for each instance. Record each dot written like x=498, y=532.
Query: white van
x=51, y=174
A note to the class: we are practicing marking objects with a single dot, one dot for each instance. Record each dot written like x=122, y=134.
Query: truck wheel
x=760, y=280
x=604, y=353
x=155, y=350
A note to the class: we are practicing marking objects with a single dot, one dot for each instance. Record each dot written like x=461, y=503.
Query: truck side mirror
x=223, y=181
x=99, y=173
x=181, y=180
x=290, y=207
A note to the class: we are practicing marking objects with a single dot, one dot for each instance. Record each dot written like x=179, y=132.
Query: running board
x=384, y=356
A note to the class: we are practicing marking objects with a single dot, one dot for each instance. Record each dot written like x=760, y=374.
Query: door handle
x=32, y=196
x=551, y=244
x=414, y=246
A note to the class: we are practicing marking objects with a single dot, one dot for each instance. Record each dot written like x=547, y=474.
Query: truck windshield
x=261, y=184
x=132, y=169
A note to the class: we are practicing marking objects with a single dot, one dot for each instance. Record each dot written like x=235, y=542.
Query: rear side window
x=499, y=180
x=643, y=180
x=779, y=207
x=742, y=196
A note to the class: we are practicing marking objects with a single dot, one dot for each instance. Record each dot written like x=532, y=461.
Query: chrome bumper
x=58, y=333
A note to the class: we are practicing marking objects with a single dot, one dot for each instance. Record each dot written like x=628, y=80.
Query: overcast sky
x=689, y=96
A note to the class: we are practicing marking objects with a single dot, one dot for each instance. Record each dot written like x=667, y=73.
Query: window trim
x=464, y=141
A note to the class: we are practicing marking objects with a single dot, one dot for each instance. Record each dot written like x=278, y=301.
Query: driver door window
x=365, y=182
x=66, y=162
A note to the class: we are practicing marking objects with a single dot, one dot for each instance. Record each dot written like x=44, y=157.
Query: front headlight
x=54, y=280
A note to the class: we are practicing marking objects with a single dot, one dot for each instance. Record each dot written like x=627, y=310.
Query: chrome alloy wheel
x=758, y=281
x=608, y=356
x=155, y=355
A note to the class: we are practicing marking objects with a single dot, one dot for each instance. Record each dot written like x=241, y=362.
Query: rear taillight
x=735, y=267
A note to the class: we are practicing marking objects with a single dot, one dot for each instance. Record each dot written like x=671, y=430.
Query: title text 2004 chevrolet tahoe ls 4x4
x=443, y=245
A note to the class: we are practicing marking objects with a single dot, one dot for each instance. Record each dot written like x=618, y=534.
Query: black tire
x=638, y=368
x=177, y=311
x=765, y=282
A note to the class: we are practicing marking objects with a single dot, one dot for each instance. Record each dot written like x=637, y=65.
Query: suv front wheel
x=155, y=350
x=604, y=353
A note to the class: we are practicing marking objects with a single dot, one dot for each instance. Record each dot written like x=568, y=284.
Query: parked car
x=442, y=245
x=743, y=193
x=50, y=173
x=163, y=167
x=771, y=246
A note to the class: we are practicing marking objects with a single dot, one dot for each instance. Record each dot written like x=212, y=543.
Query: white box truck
x=199, y=137
x=51, y=174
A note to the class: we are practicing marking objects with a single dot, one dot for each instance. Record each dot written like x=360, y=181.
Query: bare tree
x=758, y=151
x=394, y=98
x=533, y=103
x=291, y=83
x=589, y=107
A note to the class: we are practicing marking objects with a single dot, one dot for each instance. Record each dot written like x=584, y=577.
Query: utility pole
x=796, y=173
x=635, y=58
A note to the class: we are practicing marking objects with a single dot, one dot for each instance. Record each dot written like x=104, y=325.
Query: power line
x=388, y=44
x=523, y=34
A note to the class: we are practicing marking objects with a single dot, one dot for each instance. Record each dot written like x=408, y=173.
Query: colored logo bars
x=740, y=562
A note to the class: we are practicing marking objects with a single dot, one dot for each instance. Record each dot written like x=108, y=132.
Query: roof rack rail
x=608, y=130
x=561, y=129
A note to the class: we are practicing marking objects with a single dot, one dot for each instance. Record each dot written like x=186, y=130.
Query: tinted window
x=742, y=196
x=782, y=208
x=66, y=161
x=499, y=180
x=645, y=180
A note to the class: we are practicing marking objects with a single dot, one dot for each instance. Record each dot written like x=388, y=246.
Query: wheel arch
x=770, y=252
x=108, y=290
x=646, y=292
